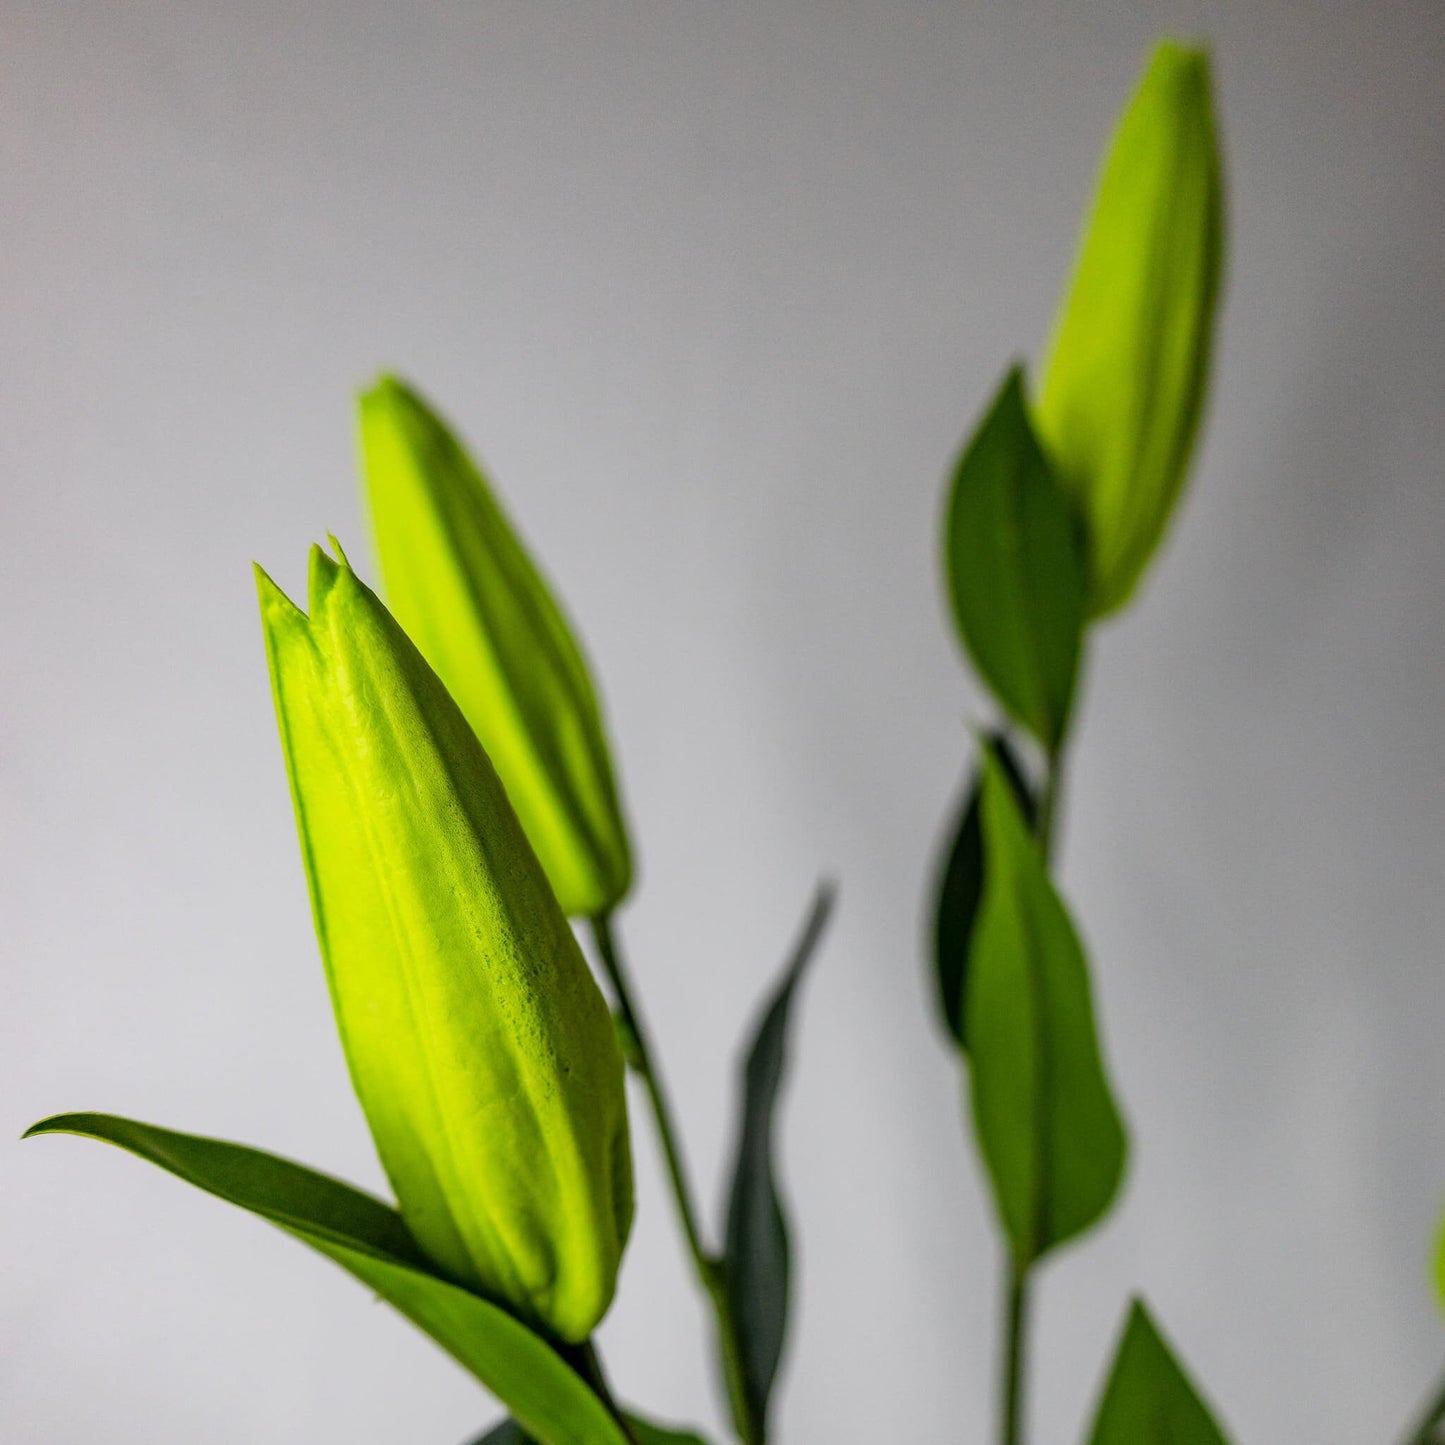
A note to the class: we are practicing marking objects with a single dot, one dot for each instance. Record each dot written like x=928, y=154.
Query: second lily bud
x=462, y=585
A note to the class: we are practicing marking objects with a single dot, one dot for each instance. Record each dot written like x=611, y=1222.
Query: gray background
x=716, y=289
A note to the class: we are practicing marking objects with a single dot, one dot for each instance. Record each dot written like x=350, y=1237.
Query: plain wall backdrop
x=716, y=289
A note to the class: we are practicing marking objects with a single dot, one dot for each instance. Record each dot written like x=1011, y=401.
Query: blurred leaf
x=755, y=1263
x=627, y=1040
x=648, y=1433
x=1125, y=385
x=1015, y=569
x=369, y=1240
x=644, y=1432
x=1149, y=1400
x=1429, y=1426
x=463, y=586
x=961, y=888
x=507, y=1433
x=1047, y=1124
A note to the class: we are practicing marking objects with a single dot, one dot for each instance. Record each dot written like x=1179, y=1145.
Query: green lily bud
x=480, y=1047
x=463, y=587
x=1126, y=382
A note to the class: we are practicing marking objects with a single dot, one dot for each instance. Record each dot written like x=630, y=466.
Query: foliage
x=1149, y=1400
x=457, y=804
x=1047, y=1125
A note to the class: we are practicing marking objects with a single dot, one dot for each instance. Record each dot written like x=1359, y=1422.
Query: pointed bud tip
x=1183, y=64
x=386, y=391
x=276, y=606
x=321, y=574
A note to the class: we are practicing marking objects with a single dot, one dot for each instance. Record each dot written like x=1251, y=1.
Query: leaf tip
x=55, y=1124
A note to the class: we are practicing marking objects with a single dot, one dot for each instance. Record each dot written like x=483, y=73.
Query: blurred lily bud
x=480, y=1047
x=462, y=585
x=1126, y=382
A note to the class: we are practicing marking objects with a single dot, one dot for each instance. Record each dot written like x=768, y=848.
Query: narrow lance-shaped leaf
x=755, y=1264
x=481, y=1048
x=369, y=1240
x=1125, y=385
x=1047, y=1124
x=648, y=1432
x=462, y=585
x=1149, y=1400
x=644, y=1432
x=960, y=888
x=1016, y=569
x=507, y=1433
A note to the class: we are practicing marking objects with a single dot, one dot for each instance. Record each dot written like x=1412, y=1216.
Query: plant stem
x=1016, y=1283
x=1016, y=1314
x=708, y=1267
x=1049, y=804
x=656, y=1093
x=586, y=1361
x=1431, y=1427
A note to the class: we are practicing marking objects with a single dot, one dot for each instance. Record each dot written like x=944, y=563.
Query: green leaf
x=644, y=1433
x=1046, y=1121
x=507, y=1433
x=479, y=1044
x=462, y=585
x=1149, y=1400
x=755, y=1262
x=1015, y=568
x=960, y=888
x=650, y=1433
x=370, y=1241
x=1125, y=386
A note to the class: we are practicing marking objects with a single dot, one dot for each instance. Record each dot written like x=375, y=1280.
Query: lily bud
x=464, y=588
x=480, y=1047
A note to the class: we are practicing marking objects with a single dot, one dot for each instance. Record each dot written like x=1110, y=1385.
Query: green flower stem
x=1016, y=1283
x=1016, y=1314
x=1431, y=1427
x=1049, y=804
x=708, y=1266
x=585, y=1360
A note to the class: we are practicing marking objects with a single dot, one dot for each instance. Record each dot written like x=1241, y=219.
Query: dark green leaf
x=369, y=1240
x=507, y=1433
x=1126, y=381
x=1046, y=1121
x=1149, y=1400
x=627, y=1041
x=649, y=1433
x=1016, y=568
x=645, y=1432
x=961, y=887
x=1428, y=1427
x=755, y=1263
